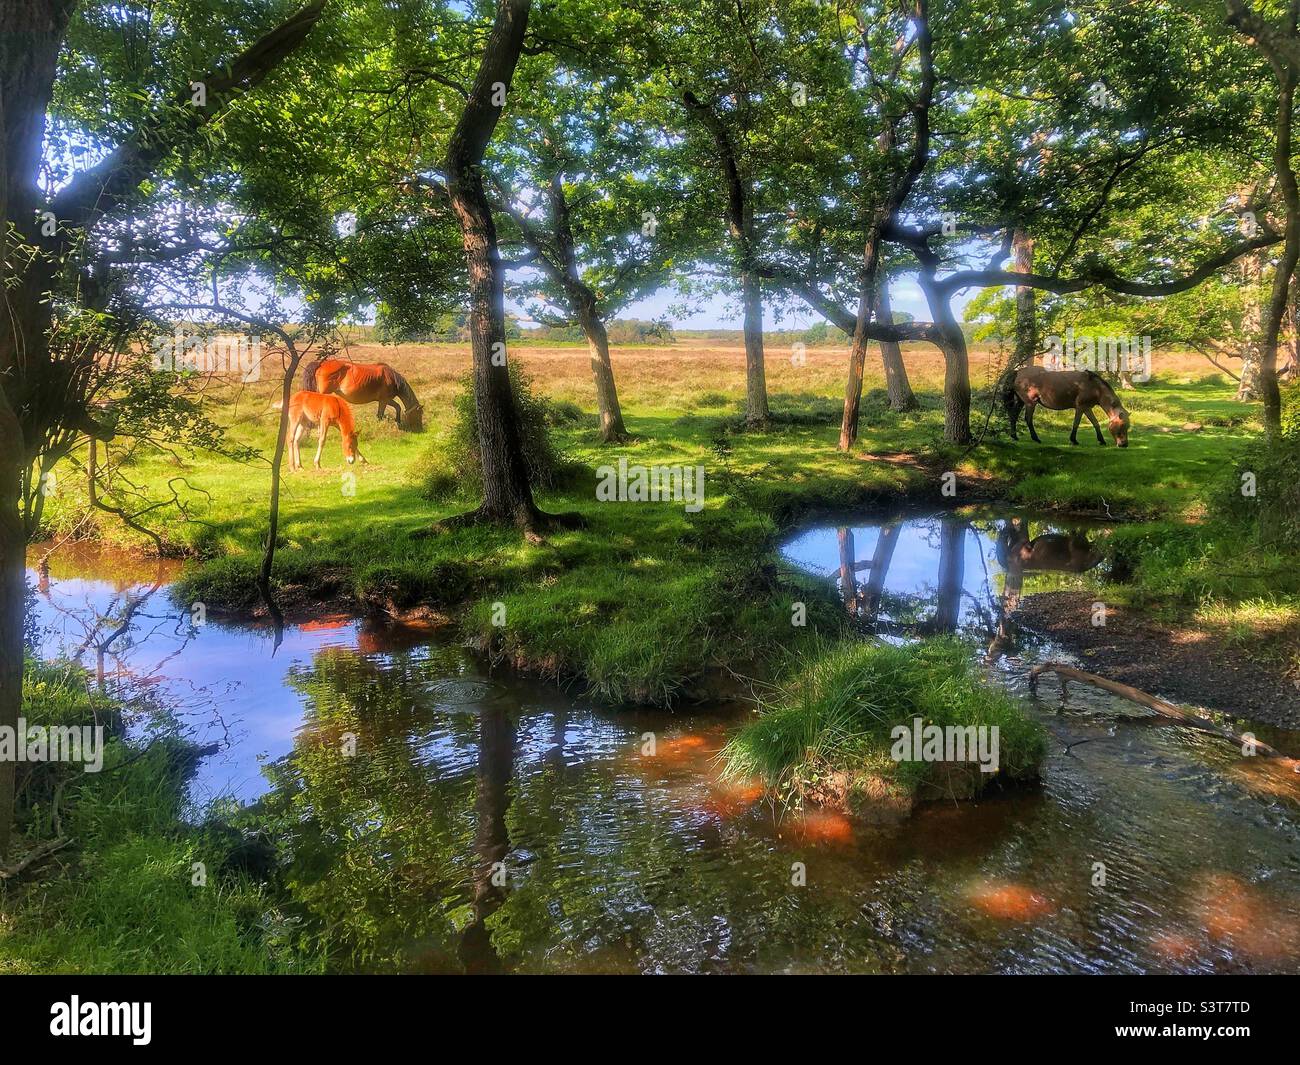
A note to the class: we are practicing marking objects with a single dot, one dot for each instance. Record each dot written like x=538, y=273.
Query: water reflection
x=434, y=816
x=946, y=570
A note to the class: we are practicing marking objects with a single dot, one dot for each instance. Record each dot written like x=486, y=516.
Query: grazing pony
x=366, y=382
x=312, y=408
x=1060, y=390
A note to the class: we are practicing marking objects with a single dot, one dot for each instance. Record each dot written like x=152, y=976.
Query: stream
x=438, y=816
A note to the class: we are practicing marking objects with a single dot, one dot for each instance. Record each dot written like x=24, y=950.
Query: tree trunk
x=1252, y=333
x=868, y=296
x=13, y=546
x=1025, y=352
x=31, y=32
x=1022, y=245
x=740, y=226
x=853, y=391
x=756, y=410
x=602, y=370
x=273, y=510
x=956, y=378
x=1275, y=312
x=583, y=301
x=507, y=497
x=897, y=385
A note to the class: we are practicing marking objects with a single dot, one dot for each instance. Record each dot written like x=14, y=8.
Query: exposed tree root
x=1165, y=709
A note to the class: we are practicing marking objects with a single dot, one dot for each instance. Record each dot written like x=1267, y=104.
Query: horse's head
x=350, y=447
x=1119, y=420
x=413, y=419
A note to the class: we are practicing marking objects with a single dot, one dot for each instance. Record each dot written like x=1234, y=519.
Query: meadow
x=648, y=599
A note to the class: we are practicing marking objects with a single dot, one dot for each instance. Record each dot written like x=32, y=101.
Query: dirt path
x=1184, y=664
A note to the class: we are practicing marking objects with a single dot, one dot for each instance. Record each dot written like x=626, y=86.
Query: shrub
x=452, y=468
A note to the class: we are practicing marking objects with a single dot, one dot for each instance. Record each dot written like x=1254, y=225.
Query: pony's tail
x=309, y=376
x=1007, y=391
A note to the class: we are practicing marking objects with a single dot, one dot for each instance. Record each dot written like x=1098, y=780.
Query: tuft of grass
x=835, y=716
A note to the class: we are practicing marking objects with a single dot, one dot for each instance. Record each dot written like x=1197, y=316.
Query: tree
x=597, y=204
x=507, y=497
x=1280, y=45
x=53, y=276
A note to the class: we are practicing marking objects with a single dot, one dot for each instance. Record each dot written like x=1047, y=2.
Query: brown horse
x=366, y=382
x=313, y=408
x=1061, y=390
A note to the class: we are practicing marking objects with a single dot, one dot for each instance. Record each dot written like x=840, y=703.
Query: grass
x=646, y=599
x=828, y=733
x=123, y=897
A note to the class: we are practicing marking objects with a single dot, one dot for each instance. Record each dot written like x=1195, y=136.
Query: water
x=486, y=822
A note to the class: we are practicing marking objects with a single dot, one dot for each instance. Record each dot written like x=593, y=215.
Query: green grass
x=121, y=898
x=834, y=718
x=647, y=598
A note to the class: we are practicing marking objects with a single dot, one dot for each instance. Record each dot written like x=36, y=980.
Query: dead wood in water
x=1151, y=702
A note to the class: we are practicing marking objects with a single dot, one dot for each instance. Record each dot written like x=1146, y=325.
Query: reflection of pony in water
x=366, y=382
x=311, y=408
x=1072, y=553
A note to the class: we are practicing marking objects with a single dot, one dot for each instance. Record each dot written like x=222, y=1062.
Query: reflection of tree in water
x=938, y=608
x=128, y=642
x=377, y=840
x=864, y=600
x=392, y=851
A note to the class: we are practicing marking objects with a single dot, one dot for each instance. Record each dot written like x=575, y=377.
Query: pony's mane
x=403, y=389
x=344, y=410
x=1110, y=389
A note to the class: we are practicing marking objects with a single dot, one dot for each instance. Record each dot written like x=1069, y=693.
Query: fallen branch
x=8, y=872
x=1151, y=702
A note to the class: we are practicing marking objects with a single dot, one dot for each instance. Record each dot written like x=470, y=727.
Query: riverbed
x=437, y=815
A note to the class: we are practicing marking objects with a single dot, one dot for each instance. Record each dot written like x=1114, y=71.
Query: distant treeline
x=454, y=329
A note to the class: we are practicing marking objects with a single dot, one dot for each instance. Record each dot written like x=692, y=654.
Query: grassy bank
x=138, y=888
x=830, y=734
x=649, y=596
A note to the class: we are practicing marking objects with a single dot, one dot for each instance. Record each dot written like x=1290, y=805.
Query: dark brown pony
x=1062, y=390
x=366, y=382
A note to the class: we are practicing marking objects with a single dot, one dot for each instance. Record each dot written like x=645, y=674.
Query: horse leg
x=1093, y=418
x=1074, y=432
x=295, y=456
x=397, y=412
x=1030, y=407
x=1017, y=405
x=320, y=439
x=379, y=414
